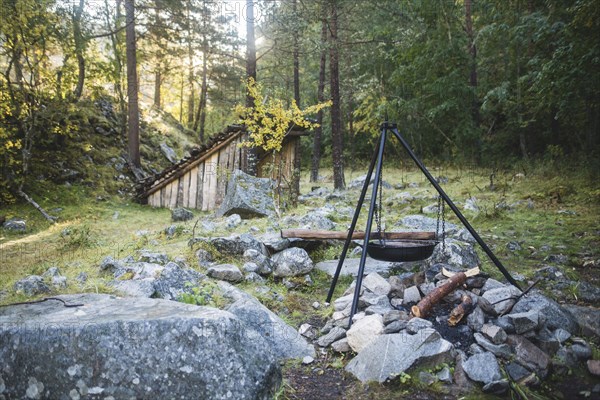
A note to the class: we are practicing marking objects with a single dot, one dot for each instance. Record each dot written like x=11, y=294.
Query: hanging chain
x=441, y=215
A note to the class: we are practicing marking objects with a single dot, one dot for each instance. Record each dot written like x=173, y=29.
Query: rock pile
x=526, y=336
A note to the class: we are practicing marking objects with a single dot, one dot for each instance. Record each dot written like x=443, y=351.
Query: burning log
x=460, y=311
x=423, y=307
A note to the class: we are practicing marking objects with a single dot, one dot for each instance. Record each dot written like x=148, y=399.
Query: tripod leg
x=363, y=256
x=455, y=209
x=361, y=200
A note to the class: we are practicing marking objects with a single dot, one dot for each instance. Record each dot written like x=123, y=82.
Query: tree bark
x=473, y=53
x=157, y=86
x=460, y=311
x=133, y=121
x=336, y=113
x=426, y=304
x=319, y=234
x=79, y=50
x=252, y=152
x=191, y=95
x=35, y=205
x=316, y=157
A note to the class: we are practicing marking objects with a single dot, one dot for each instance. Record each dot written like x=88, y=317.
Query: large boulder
x=124, y=348
x=237, y=245
x=31, y=285
x=389, y=355
x=174, y=280
x=555, y=315
x=248, y=196
x=283, y=340
x=291, y=262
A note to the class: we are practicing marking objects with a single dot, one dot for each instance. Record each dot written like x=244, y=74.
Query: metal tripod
x=376, y=164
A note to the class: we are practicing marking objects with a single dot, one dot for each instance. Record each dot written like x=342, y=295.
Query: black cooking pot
x=401, y=250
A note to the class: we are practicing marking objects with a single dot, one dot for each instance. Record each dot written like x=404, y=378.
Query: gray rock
x=341, y=346
x=360, y=182
x=248, y=196
x=376, y=284
x=476, y=319
x=291, y=262
x=588, y=292
x=525, y=321
x=494, y=333
x=445, y=375
x=15, y=225
x=51, y=272
x=171, y=230
x=225, y=272
x=497, y=387
x=500, y=350
x=364, y=331
x=529, y=355
x=474, y=348
x=336, y=333
x=233, y=221
x=111, y=265
x=582, y=349
x=82, y=278
x=546, y=341
x=59, y=282
x=204, y=257
x=236, y=245
x=284, y=341
x=505, y=323
x=31, y=285
x=265, y=267
x=427, y=378
x=316, y=221
x=395, y=327
x=492, y=284
x=250, y=267
x=181, y=214
x=135, y=288
x=562, y=335
x=172, y=350
x=274, y=242
x=516, y=371
x=422, y=223
x=503, y=298
x=411, y=295
x=174, y=280
x=390, y=355
x=153, y=258
x=415, y=325
x=587, y=319
x=397, y=287
x=169, y=153
x=395, y=315
x=457, y=254
x=482, y=367
x=556, y=316
x=308, y=331
x=513, y=246
x=350, y=266
x=254, y=278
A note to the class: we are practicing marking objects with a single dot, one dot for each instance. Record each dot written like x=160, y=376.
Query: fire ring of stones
x=502, y=334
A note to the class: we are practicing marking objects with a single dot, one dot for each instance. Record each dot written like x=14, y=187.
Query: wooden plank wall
x=204, y=187
x=283, y=163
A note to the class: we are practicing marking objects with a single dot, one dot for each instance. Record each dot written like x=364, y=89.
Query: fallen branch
x=37, y=206
x=423, y=307
x=460, y=311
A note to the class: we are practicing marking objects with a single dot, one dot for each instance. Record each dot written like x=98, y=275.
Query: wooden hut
x=200, y=180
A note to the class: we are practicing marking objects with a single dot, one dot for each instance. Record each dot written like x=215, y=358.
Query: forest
x=478, y=82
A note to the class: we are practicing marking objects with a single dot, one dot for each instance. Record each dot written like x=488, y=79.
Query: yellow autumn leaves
x=269, y=121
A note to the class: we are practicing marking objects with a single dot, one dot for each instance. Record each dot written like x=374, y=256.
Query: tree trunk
x=118, y=63
x=79, y=50
x=252, y=152
x=424, y=306
x=316, y=157
x=336, y=114
x=157, y=85
x=191, y=95
x=199, y=123
x=133, y=121
x=473, y=52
